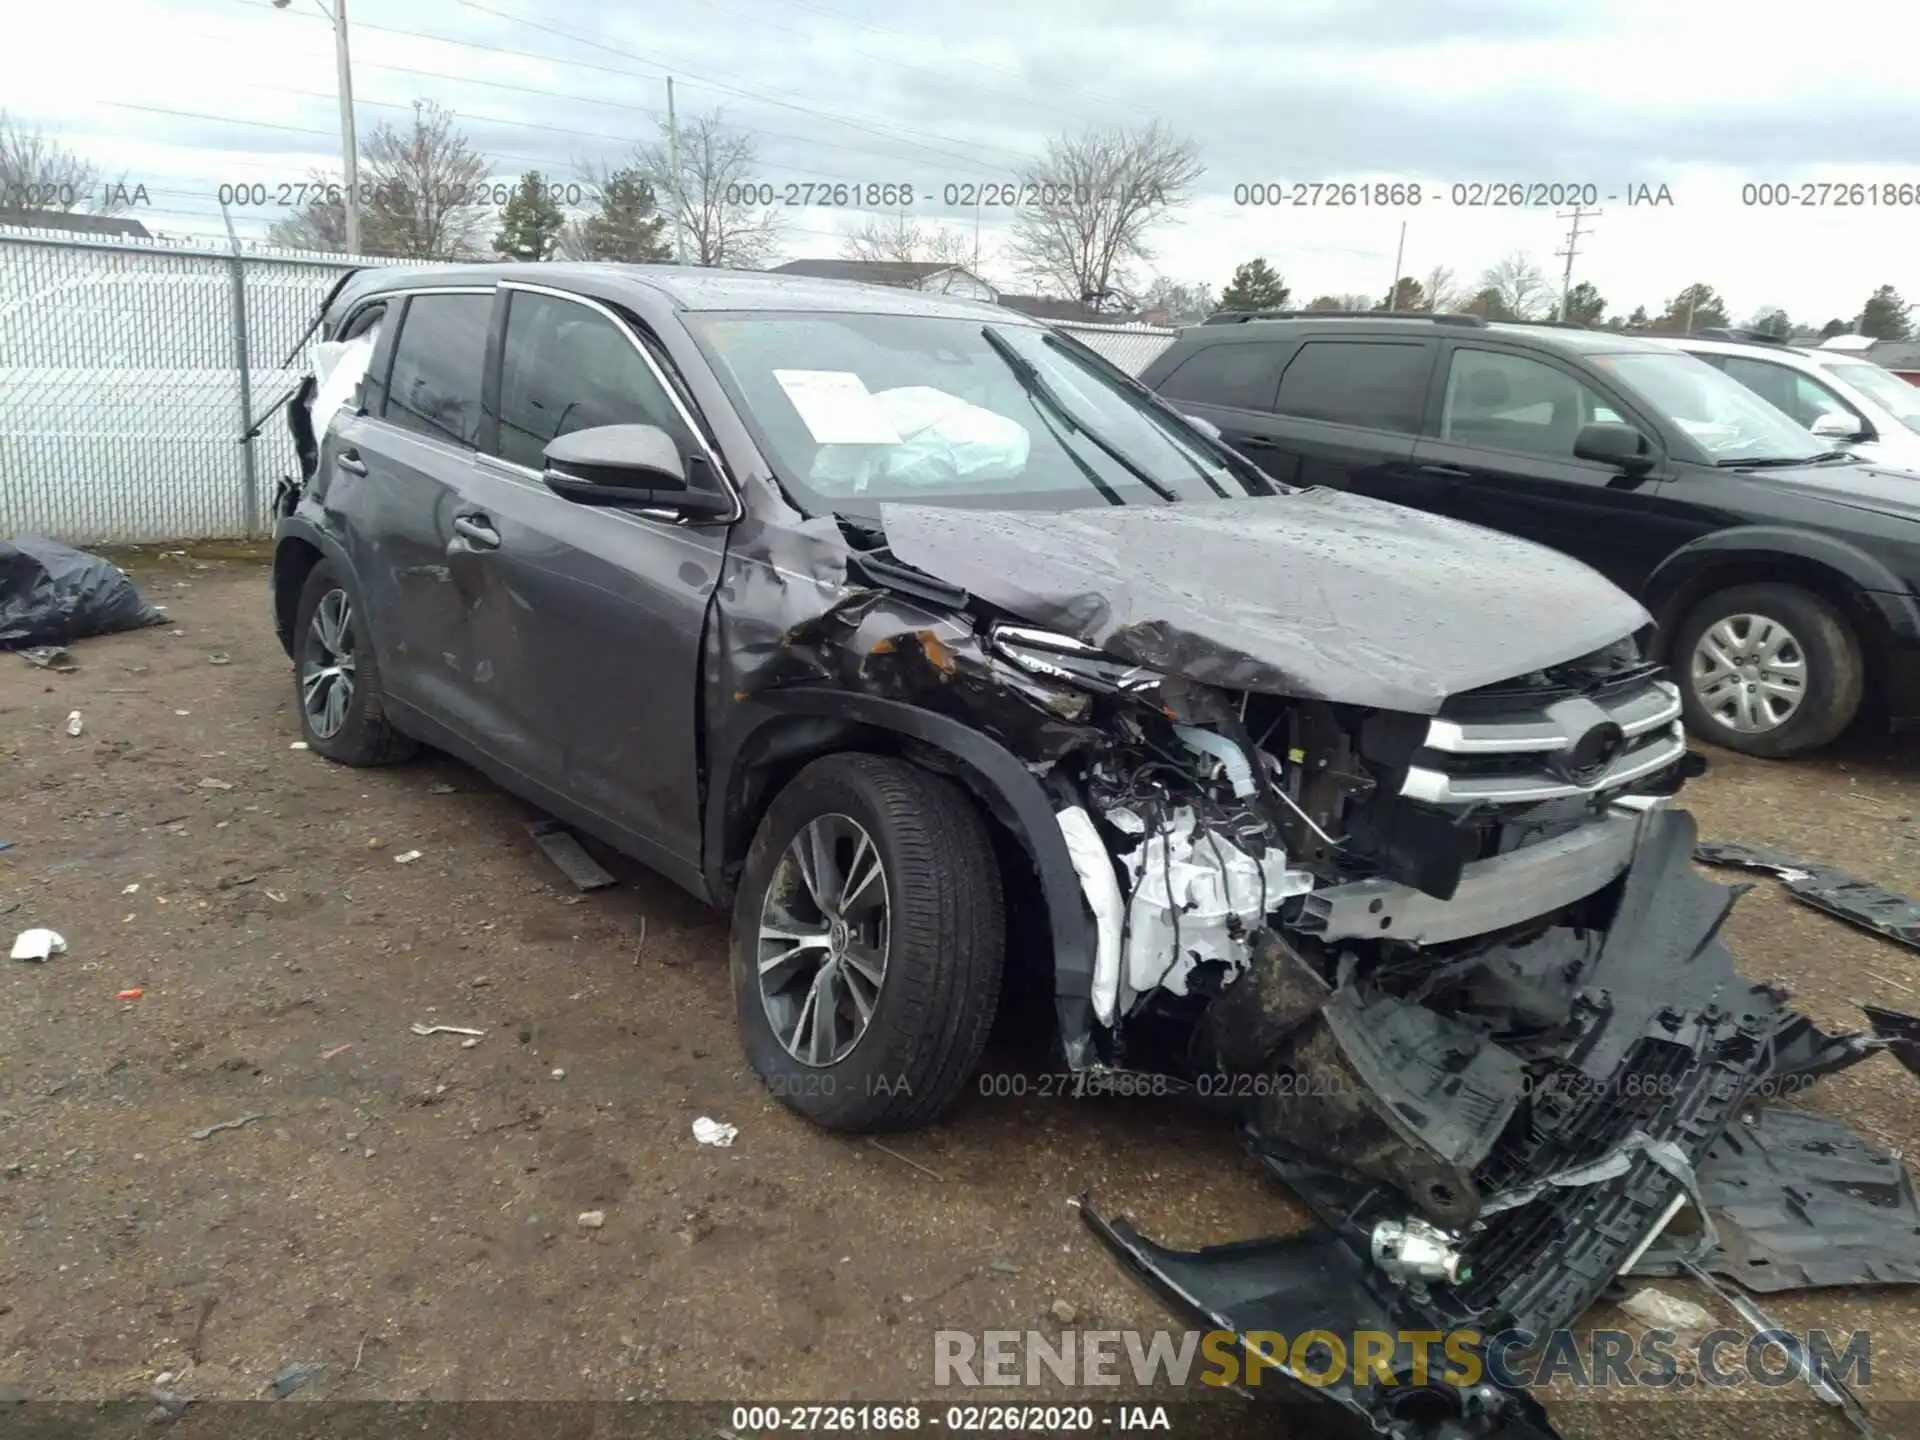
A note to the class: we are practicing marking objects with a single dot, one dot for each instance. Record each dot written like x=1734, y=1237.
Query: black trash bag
x=52, y=594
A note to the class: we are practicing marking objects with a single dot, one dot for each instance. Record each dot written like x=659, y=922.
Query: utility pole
x=1573, y=248
x=1393, y=290
x=679, y=203
x=349, y=142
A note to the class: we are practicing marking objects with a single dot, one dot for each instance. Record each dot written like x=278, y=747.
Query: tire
x=363, y=736
x=943, y=947
x=1828, y=656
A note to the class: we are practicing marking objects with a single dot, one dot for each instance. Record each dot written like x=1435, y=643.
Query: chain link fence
x=128, y=369
x=1131, y=347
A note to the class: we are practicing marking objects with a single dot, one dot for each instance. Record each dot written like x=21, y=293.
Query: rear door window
x=1379, y=384
x=1240, y=375
x=1784, y=388
x=567, y=367
x=439, y=365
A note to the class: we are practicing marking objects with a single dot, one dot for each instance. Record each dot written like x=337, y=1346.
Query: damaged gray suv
x=972, y=677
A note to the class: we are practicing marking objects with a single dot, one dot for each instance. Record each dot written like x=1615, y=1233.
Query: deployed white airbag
x=944, y=441
x=338, y=368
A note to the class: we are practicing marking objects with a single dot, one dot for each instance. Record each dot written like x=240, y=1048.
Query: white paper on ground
x=837, y=408
x=37, y=944
x=713, y=1132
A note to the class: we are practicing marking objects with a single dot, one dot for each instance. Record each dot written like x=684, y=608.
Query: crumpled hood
x=1314, y=594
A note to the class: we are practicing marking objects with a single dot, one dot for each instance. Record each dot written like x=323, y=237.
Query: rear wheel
x=1769, y=670
x=868, y=939
x=341, y=710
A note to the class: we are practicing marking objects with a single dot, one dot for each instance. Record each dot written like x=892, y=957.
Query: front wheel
x=868, y=940
x=1769, y=670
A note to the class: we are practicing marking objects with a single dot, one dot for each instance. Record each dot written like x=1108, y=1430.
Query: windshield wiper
x=1776, y=462
x=1054, y=342
x=1037, y=389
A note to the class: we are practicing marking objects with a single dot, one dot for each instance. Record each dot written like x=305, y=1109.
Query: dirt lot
x=404, y=1209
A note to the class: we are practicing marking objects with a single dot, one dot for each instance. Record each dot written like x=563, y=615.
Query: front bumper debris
x=1843, y=896
x=1490, y=1143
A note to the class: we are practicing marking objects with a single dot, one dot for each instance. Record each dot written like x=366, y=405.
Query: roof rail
x=1745, y=337
x=1237, y=317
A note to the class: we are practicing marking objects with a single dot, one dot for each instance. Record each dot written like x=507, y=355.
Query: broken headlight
x=1061, y=657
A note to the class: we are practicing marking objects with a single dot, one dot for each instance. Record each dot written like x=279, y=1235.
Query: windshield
x=1888, y=390
x=852, y=410
x=1720, y=415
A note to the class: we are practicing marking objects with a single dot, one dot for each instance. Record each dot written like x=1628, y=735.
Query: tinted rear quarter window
x=438, y=366
x=1240, y=375
x=1380, y=384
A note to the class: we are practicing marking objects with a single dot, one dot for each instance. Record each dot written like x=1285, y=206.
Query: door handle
x=1447, y=472
x=476, y=531
x=1258, y=442
x=351, y=462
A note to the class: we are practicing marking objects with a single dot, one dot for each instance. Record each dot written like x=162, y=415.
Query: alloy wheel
x=326, y=665
x=1749, y=673
x=823, y=940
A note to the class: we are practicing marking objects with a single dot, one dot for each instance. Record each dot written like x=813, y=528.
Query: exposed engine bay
x=1453, y=966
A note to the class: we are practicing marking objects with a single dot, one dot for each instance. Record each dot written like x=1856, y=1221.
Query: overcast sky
x=1703, y=98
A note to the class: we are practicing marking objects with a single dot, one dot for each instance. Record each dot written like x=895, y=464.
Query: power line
x=706, y=82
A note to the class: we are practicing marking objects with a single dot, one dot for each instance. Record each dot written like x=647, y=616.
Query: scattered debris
x=75, y=724
x=298, y=745
x=212, y=1130
x=1829, y=1388
x=1801, y=1202
x=1843, y=896
x=1003, y=1267
x=183, y=713
x=334, y=1050
x=209, y=783
x=592, y=1219
x=130, y=994
x=569, y=855
x=442, y=788
x=6, y=845
x=38, y=944
x=712, y=1132
x=374, y=842
x=50, y=657
x=293, y=1377
x=133, y=889
x=276, y=897
x=219, y=657
x=470, y=1042
x=1660, y=1311
x=406, y=857
x=560, y=1074
x=1063, y=1311
x=420, y=1029
x=907, y=1160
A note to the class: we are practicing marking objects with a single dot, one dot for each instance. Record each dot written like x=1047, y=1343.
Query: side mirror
x=1612, y=443
x=1836, y=426
x=626, y=466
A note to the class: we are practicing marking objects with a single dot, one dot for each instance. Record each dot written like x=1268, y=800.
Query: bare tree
x=1522, y=289
x=1092, y=200
x=908, y=242
x=712, y=192
x=320, y=224
x=38, y=173
x=424, y=188
x=1442, y=289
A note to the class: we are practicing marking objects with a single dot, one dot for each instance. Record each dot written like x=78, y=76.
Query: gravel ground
x=403, y=1210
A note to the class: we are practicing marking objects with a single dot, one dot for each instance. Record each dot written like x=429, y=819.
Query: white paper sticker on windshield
x=837, y=408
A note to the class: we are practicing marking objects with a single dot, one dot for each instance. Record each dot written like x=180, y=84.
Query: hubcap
x=1750, y=673
x=326, y=665
x=823, y=940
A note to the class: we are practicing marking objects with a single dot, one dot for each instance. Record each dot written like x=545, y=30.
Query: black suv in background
x=1784, y=575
